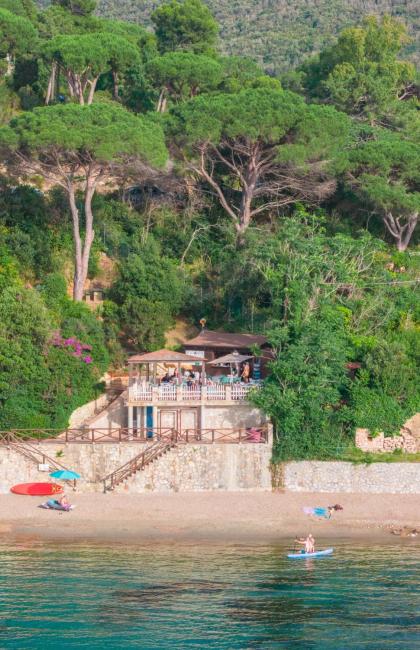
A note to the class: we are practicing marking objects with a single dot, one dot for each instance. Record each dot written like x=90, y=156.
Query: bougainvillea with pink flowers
x=74, y=347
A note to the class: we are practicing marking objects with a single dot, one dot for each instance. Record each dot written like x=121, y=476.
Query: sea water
x=69, y=596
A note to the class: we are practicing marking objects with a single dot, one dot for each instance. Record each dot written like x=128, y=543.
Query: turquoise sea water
x=225, y=597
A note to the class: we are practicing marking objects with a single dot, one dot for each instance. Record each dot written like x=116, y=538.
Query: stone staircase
x=152, y=453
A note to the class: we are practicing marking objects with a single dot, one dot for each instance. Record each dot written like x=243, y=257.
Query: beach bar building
x=171, y=390
x=211, y=345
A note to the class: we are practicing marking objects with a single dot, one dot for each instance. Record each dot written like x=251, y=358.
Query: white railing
x=216, y=392
x=190, y=393
x=171, y=393
x=167, y=393
x=240, y=391
x=140, y=393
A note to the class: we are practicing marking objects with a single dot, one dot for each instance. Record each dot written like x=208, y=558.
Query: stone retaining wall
x=379, y=478
x=408, y=439
x=184, y=468
x=86, y=411
x=382, y=444
x=211, y=467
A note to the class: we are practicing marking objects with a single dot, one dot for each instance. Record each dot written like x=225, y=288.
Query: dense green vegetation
x=285, y=205
x=276, y=33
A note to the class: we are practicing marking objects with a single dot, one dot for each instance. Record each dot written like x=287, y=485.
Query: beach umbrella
x=234, y=358
x=66, y=475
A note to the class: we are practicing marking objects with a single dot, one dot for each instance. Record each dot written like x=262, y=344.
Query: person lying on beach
x=323, y=512
x=405, y=531
x=63, y=501
x=309, y=543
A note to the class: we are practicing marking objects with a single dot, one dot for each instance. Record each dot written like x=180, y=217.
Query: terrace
x=167, y=377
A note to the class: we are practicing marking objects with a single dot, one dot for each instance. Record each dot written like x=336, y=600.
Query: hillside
x=256, y=208
x=280, y=33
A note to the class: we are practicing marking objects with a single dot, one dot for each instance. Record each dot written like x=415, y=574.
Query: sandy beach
x=230, y=517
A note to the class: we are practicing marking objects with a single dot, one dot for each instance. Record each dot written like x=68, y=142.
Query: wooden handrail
x=134, y=435
x=138, y=463
x=32, y=453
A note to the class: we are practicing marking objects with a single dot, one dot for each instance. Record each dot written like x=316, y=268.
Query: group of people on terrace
x=195, y=377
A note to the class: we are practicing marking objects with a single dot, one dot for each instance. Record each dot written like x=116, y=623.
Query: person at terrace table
x=246, y=371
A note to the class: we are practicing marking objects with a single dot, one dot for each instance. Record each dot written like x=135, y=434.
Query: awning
x=165, y=356
x=231, y=358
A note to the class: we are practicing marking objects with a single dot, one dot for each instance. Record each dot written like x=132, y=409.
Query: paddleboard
x=327, y=551
x=37, y=489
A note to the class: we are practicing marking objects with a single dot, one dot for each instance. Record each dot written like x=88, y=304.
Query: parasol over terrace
x=163, y=356
x=159, y=362
x=230, y=359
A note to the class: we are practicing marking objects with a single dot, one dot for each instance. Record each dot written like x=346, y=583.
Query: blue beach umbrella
x=66, y=475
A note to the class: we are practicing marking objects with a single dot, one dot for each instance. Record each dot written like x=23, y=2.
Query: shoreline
x=208, y=518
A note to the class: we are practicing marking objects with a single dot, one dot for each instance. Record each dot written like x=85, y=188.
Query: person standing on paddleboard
x=309, y=543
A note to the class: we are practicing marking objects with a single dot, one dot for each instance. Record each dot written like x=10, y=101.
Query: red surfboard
x=37, y=489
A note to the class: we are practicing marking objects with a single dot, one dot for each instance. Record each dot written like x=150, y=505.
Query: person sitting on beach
x=309, y=543
x=63, y=501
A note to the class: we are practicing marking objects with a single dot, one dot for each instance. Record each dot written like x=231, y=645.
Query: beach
x=208, y=517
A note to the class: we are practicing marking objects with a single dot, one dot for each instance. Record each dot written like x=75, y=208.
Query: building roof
x=163, y=356
x=209, y=339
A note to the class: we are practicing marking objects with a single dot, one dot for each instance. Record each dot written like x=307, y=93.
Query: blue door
x=149, y=421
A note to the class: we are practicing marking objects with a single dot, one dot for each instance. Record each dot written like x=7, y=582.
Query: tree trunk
x=10, y=65
x=89, y=232
x=78, y=88
x=401, y=232
x=115, y=86
x=162, y=101
x=82, y=249
x=244, y=217
x=92, y=89
x=79, y=280
x=70, y=85
x=245, y=209
x=51, y=84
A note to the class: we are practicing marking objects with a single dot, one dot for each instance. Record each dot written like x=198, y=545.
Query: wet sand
x=208, y=517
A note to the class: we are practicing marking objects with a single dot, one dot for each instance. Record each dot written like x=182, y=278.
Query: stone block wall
x=381, y=444
x=408, y=440
x=113, y=416
x=206, y=467
x=184, y=468
x=379, y=478
x=86, y=411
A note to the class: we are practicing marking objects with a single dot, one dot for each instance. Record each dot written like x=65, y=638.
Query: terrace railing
x=216, y=392
x=31, y=438
x=195, y=393
x=252, y=435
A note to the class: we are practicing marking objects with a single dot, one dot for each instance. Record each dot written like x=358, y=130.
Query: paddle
x=295, y=550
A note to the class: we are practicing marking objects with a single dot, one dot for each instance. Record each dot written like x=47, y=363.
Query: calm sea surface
x=53, y=596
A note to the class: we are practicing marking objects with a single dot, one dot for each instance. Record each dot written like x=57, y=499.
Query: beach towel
x=318, y=512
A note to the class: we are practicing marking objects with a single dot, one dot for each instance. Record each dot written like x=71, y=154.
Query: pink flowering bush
x=75, y=347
